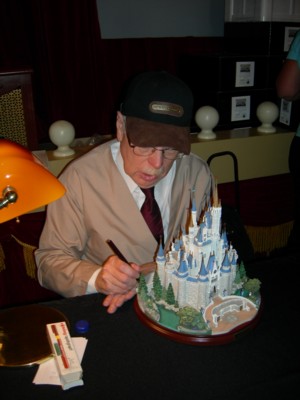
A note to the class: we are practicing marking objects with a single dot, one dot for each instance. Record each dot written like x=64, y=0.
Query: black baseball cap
x=158, y=107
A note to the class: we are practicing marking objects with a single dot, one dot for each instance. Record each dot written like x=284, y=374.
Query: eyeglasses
x=169, y=153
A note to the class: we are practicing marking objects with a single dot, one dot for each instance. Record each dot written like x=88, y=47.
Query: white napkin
x=47, y=373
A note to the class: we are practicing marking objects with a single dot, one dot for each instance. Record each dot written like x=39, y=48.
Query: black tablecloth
x=125, y=359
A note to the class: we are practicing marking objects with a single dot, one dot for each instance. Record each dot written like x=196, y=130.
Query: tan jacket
x=98, y=206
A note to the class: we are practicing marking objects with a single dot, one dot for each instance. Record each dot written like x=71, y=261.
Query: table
x=124, y=359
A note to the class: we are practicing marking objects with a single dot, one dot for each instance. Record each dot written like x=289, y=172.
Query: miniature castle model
x=198, y=286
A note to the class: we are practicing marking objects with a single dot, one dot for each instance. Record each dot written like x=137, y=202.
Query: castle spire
x=216, y=202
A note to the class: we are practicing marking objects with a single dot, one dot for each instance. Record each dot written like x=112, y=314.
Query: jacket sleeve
x=59, y=258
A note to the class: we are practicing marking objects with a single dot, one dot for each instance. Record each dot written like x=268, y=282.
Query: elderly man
x=106, y=189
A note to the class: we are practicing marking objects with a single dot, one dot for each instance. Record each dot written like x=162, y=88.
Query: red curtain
x=68, y=62
x=262, y=199
x=60, y=40
x=77, y=75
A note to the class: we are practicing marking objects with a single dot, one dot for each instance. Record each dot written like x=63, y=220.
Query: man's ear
x=120, y=126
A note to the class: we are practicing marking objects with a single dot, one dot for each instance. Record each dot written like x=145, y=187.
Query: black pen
x=116, y=250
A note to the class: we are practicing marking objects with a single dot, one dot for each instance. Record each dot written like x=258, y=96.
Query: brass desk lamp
x=25, y=185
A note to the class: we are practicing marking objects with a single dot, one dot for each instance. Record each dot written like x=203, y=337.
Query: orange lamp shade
x=34, y=185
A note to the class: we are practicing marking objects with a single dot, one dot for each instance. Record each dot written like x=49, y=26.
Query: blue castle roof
x=226, y=266
x=203, y=275
x=210, y=264
x=182, y=270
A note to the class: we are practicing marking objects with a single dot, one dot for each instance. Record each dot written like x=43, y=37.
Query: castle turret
x=203, y=287
x=225, y=276
x=179, y=281
x=161, y=262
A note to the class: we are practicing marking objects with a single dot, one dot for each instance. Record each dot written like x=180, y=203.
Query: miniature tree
x=142, y=288
x=170, y=298
x=242, y=271
x=157, y=286
x=252, y=285
x=237, y=278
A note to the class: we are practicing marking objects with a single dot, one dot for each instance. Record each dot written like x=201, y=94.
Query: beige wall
x=258, y=154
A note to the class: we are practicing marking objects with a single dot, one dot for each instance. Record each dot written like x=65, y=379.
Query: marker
x=116, y=250
x=59, y=346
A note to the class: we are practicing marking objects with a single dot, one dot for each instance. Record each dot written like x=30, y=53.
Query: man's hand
x=118, y=280
x=117, y=277
x=114, y=301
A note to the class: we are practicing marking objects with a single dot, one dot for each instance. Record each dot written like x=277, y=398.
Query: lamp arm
x=9, y=196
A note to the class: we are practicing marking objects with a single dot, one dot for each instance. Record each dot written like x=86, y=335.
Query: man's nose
x=157, y=158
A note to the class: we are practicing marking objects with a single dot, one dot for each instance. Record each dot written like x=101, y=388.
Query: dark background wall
x=77, y=74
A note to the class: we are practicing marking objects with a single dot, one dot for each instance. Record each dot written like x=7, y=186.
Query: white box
x=65, y=355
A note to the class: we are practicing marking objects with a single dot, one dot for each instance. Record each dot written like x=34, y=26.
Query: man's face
x=146, y=171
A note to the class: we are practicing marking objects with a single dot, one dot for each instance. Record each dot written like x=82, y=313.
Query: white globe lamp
x=62, y=134
x=207, y=119
x=267, y=113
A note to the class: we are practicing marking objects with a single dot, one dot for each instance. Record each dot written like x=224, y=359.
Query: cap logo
x=161, y=107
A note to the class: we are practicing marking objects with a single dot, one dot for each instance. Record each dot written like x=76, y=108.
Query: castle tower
x=203, y=287
x=225, y=276
x=194, y=209
x=213, y=275
x=160, y=262
x=216, y=213
x=179, y=282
